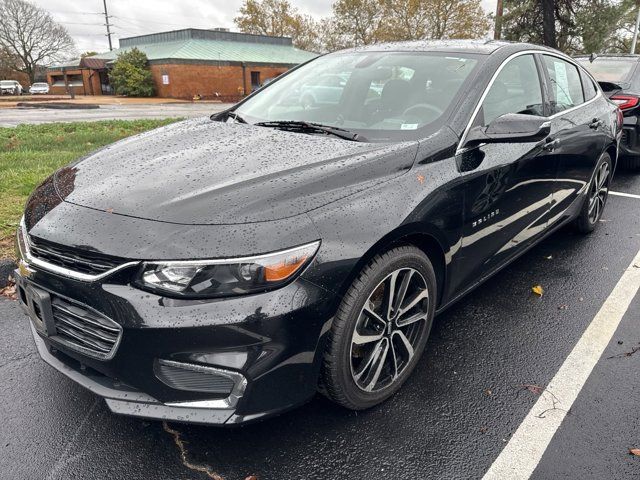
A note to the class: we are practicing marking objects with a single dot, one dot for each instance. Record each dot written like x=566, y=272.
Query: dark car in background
x=619, y=77
x=224, y=270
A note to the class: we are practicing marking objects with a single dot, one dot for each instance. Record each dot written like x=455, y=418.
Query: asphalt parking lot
x=11, y=117
x=487, y=365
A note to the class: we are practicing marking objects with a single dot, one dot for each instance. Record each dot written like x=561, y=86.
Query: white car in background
x=10, y=87
x=39, y=88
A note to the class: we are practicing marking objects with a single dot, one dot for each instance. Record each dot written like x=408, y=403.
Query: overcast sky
x=85, y=21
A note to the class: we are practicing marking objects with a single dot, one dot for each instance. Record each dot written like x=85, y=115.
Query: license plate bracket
x=36, y=303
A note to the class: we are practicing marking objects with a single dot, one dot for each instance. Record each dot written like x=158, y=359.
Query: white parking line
x=522, y=454
x=621, y=194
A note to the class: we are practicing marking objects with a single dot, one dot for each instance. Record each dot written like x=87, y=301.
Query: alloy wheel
x=598, y=192
x=388, y=329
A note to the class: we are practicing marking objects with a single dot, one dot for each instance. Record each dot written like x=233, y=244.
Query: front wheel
x=597, y=195
x=380, y=330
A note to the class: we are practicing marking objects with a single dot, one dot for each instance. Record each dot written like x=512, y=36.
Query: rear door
x=578, y=135
x=508, y=185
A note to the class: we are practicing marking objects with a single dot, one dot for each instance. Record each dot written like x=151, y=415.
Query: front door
x=508, y=185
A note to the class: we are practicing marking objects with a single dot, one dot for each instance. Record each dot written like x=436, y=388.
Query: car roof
x=626, y=56
x=482, y=47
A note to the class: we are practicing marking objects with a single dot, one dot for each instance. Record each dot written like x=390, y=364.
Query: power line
x=130, y=21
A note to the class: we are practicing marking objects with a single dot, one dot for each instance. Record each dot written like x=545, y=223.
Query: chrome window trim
x=463, y=138
x=30, y=260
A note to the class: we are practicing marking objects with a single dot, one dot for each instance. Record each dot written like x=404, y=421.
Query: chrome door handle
x=595, y=123
x=550, y=145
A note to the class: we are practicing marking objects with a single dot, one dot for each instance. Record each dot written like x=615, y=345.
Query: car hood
x=201, y=172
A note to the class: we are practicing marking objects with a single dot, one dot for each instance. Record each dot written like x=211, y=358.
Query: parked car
x=10, y=87
x=326, y=89
x=222, y=271
x=39, y=88
x=619, y=76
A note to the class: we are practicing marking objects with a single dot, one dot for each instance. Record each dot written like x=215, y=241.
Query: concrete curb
x=60, y=106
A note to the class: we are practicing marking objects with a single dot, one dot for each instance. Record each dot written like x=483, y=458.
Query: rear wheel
x=597, y=195
x=380, y=329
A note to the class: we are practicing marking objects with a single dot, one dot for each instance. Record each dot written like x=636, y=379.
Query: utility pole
x=106, y=19
x=497, y=29
x=635, y=31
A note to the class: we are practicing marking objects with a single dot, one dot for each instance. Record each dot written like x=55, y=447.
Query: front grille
x=84, y=330
x=82, y=261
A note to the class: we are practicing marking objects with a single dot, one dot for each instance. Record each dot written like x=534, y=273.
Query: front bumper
x=270, y=344
x=125, y=400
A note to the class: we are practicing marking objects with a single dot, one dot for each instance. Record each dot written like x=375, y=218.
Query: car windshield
x=614, y=70
x=7, y=83
x=380, y=95
x=39, y=85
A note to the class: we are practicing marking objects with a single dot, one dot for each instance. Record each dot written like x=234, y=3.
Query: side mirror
x=510, y=128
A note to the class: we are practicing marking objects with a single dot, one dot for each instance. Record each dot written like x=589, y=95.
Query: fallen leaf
x=488, y=392
x=635, y=451
x=537, y=389
x=538, y=290
x=420, y=179
x=9, y=291
x=483, y=429
x=251, y=477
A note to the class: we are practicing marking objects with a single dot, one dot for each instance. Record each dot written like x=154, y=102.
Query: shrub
x=131, y=76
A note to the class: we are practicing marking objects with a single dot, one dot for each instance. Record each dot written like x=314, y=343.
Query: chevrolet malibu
x=223, y=270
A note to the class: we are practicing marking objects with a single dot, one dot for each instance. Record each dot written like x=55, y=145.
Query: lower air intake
x=194, y=378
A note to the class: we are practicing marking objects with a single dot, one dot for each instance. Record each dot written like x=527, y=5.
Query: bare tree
x=279, y=18
x=30, y=34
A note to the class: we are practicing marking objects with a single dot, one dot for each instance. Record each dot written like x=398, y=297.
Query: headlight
x=225, y=277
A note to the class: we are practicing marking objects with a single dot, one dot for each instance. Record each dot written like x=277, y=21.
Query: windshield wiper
x=302, y=126
x=236, y=117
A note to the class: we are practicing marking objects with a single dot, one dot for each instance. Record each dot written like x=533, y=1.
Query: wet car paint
x=362, y=199
x=494, y=339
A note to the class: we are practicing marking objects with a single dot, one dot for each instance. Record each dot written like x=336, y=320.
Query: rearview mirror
x=510, y=128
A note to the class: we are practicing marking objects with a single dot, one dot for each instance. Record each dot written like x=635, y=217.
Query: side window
x=566, y=88
x=516, y=89
x=590, y=90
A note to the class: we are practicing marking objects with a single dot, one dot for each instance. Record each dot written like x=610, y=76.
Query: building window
x=255, y=80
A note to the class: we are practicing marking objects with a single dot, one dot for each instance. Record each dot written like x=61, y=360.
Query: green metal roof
x=70, y=64
x=218, y=51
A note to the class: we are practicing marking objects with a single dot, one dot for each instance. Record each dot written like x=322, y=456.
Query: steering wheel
x=416, y=109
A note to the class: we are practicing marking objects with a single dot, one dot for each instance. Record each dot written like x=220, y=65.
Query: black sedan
x=619, y=77
x=223, y=270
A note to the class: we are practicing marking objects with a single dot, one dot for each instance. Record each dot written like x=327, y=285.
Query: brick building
x=184, y=63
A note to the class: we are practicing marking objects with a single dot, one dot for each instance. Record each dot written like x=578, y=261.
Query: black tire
x=630, y=163
x=338, y=381
x=588, y=219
